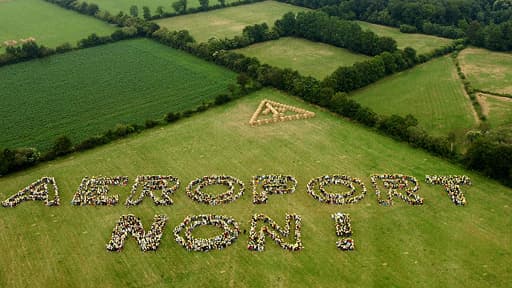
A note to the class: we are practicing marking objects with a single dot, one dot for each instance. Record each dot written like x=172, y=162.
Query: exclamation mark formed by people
x=344, y=230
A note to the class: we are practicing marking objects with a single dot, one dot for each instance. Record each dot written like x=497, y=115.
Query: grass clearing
x=228, y=22
x=76, y=94
x=497, y=109
x=114, y=6
x=432, y=92
x=437, y=244
x=309, y=58
x=422, y=43
x=50, y=24
x=487, y=70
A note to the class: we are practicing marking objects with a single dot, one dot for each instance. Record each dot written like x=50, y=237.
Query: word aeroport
x=93, y=191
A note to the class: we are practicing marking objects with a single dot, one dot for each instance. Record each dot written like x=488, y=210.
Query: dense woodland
x=485, y=153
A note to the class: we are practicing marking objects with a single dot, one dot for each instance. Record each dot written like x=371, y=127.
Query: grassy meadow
x=487, y=70
x=309, y=58
x=50, y=24
x=497, y=109
x=114, y=6
x=228, y=22
x=434, y=245
x=422, y=43
x=432, y=92
x=86, y=92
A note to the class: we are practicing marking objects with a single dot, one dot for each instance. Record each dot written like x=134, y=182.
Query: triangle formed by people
x=280, y=112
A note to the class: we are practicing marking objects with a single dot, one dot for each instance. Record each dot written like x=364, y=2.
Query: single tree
x=204, y=4
x=159, y=11
x=146, y=13
x=180, y=6
x=134, y=11
x=62, y=145
x=242, y=80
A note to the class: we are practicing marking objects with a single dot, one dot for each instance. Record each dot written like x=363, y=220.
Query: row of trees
x=143, y=27
x=320, y=27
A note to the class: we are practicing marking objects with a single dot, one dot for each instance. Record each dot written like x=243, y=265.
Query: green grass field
x=434, y=245
x=228, y=22
x=431, y=92
x=487, y=70
x=48, y=23
x=422, y=43
x=114, y=6
x=86, y=92
x=498, y=110
x=309, y=58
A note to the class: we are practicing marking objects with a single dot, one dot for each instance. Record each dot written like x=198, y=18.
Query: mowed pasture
x=437, y=244
x=114, y=6
x=422, y=43
x=497, y=109
x=50, y=24
x=309, y=58
x=228, y=22
x=487, y=70
x=86, y=92
x=432, y=92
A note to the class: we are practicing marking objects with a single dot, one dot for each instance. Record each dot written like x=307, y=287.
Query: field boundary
x=468, y=88
x=476, y=116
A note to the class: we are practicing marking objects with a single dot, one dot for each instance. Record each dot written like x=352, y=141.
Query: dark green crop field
x=84, y=93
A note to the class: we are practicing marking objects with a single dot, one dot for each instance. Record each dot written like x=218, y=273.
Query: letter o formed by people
x=199, y=196
x=221, y=241
x=336, y=198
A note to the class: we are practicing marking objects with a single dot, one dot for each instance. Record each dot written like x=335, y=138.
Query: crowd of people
x=345, y=244
x=451, y=184
x=336, y=198
x=275, y=232
x=94, y=191
x=395, y=182
x=189, y=242
x=150, y=184
x=344, y=230
x=229, y=196
x=131, y=225
x=271, y=184
x=37, y=191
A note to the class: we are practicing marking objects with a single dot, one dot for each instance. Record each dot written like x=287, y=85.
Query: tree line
x=32, y=50
x=320, y=27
